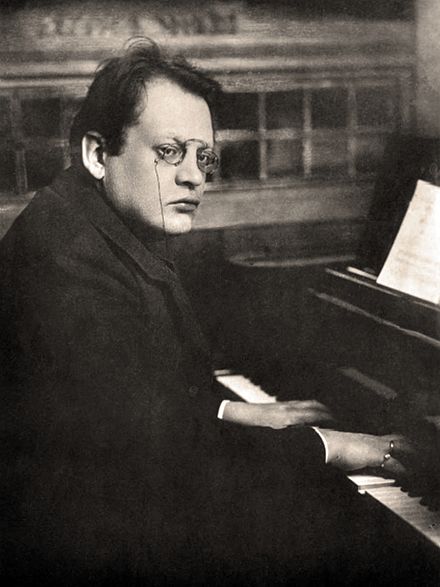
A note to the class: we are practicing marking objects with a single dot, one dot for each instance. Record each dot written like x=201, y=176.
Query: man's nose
x=188, y=171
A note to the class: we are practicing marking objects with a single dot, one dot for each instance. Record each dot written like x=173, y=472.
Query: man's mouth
x=186, y=204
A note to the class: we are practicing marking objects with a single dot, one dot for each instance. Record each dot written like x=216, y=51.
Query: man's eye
x=205, y=157
x=169, y=151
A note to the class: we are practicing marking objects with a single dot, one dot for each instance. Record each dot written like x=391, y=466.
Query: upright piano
x=370, y=353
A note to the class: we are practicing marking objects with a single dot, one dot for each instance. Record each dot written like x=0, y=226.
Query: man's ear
x=93, y=154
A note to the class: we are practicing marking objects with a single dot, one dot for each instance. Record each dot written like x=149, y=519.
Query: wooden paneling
x=283, y=204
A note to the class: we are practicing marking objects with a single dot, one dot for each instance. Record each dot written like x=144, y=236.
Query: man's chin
x=178, y=226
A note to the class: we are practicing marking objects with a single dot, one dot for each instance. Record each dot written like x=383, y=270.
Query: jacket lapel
x=80, y=190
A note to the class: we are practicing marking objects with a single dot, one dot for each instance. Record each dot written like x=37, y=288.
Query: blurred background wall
x=428, y=67
x=313, y=90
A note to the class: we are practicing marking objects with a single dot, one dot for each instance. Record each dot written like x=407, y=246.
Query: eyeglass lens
x=173, y=154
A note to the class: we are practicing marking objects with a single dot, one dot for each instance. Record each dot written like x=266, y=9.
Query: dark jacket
x=115, y=462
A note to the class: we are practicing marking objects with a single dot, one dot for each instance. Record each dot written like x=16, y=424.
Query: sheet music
x=413, y=264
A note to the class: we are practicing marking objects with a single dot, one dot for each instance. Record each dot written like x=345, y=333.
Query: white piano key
x=410, y=510
x=244, y=388
x=364, y=482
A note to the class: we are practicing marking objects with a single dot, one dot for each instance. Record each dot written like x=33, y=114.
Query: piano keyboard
x=244, y=388
x=382, y=490
x=410, y=510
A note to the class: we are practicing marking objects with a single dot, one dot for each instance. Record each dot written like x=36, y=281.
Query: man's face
x=145, y=189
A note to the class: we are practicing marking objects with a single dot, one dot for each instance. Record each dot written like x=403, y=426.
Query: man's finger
x=311, y=403
x=401, y=445
x=394, y=468
x=311, y=416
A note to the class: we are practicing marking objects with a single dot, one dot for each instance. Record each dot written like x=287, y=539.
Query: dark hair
x=113, y=99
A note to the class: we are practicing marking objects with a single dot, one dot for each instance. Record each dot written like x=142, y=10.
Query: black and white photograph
x=219, y=293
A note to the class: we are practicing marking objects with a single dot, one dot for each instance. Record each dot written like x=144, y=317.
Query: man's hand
x=277, y=415
x=351, y=451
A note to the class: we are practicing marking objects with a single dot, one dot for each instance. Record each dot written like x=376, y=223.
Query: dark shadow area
x=407, y=159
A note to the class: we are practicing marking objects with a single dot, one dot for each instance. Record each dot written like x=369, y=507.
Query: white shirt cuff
x=324, y=441
x=222, y=409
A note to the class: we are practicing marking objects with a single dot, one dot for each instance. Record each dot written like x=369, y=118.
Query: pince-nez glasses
x=174, y=154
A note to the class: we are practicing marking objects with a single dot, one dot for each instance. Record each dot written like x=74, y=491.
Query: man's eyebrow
x=183, y=141
x=168, y=137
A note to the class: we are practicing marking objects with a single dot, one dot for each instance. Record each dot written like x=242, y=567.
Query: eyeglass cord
x=156, y=161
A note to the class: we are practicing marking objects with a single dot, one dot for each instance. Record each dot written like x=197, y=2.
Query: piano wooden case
x=384, y=340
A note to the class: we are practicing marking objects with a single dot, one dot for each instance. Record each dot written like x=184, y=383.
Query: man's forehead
x=162, y=90
x=180, y=118
x=166, y=100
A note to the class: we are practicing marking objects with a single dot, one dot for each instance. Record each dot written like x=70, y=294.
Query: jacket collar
x=80, y=189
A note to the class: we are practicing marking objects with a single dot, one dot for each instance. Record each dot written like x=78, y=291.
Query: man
x=116, y=465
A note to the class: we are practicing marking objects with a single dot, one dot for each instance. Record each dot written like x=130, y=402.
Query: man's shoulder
x=51, y=240
x=48, y=214
x=68, y=226
x=50, y=222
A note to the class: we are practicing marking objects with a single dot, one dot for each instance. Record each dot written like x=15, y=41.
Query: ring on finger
x=387, y=455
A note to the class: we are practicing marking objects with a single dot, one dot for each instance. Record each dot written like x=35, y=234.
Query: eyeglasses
x=174, y=154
